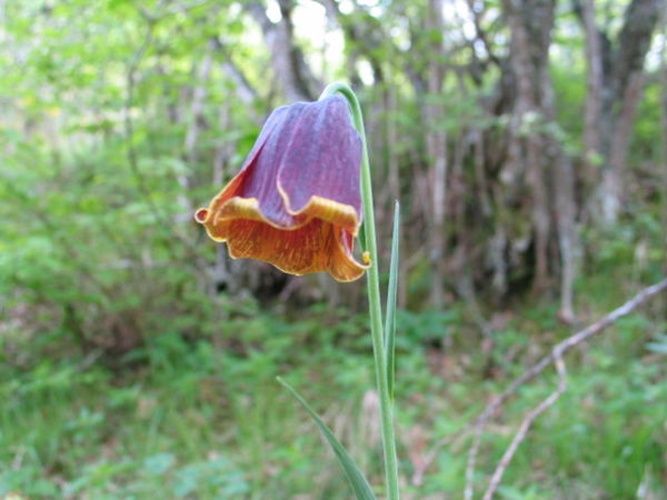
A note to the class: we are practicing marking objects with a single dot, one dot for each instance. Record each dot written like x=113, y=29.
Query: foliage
x=197, y=421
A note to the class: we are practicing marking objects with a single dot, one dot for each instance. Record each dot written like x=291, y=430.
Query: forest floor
x=200, y=419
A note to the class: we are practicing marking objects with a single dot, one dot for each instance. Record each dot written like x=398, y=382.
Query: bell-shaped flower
x=296, y=203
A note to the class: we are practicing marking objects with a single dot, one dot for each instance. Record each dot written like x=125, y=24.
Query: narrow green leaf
x=390, y=311
x=362, y=490
x=362, y=239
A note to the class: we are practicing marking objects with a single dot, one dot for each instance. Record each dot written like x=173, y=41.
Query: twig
x=556, y=353
x=524, y=427
x=481, y=34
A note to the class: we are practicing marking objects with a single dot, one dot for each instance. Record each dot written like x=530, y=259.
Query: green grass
x=197, y=419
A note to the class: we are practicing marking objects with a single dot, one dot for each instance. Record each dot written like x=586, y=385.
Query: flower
x=296, y=203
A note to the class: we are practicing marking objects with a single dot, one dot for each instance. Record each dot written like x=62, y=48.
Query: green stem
x=375, y=306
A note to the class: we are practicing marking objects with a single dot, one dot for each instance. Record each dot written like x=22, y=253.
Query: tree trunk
x=290, y=70
x=436, y=145
x=594, y=75
x=614, y=90
x=531, y=22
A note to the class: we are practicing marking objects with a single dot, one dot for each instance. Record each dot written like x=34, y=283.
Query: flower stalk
x=374, y=300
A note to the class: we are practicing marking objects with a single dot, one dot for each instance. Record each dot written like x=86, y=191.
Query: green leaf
x=390, y=311
x=362, y=238
x=358, y=482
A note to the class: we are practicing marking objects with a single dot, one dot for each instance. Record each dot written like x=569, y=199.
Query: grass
x=188, y=419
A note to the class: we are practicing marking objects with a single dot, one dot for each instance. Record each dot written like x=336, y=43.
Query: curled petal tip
x=366, y=258
x=201, y=215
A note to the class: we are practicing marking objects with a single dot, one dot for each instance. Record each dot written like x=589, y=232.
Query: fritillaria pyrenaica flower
x=296, y=203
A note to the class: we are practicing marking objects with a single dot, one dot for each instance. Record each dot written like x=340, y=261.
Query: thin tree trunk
x=593, y=104
x=568, y=241
x=291, y=72
x=436, y=142
x=564, y=206
x=662, y=152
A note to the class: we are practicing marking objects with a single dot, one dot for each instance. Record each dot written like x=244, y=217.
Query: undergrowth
x=205, y=418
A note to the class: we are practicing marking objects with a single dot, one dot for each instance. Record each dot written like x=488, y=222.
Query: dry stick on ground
x=525, y=426
x=480, y=422
x=556, y=353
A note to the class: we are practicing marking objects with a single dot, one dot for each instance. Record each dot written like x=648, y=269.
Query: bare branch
x=525, y=426
x=476, y=12
x=556, y=353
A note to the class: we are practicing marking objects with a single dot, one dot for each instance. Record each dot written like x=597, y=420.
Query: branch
x=476, y=13
x=244, y=89
x=528, y=420
x=556, y=353
x=641, y=18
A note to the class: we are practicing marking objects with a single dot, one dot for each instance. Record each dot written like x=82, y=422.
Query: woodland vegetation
x=527, y=143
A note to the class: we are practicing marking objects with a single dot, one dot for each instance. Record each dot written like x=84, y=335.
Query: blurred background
x=527, y=143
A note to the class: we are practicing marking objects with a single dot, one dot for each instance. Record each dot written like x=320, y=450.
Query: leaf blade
x=390, y=309
x=358, y=482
